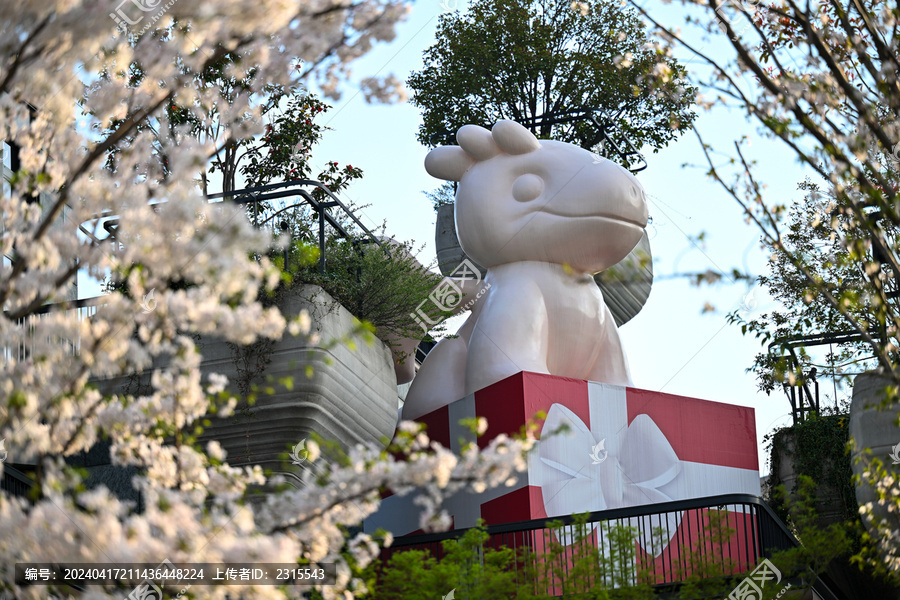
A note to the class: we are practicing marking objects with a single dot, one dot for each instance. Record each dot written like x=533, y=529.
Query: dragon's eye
x=527, y=187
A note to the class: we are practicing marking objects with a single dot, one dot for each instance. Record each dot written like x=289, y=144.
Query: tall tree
x=823, y=79
x=812, y=250
x=534, y=61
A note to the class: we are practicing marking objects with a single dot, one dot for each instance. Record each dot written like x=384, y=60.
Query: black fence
x=302, y=191
x=295, y=193
x=299, y=190
x=659, y=544
x=15, y=483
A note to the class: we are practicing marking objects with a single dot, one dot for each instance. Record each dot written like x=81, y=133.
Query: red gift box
x=602, y=447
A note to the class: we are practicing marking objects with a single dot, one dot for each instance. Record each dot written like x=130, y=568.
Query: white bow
x=580, y=473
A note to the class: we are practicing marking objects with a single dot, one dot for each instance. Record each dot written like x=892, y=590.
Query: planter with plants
x=340, y=383
x=337, y=382
x=816, y=448
x=875, y=446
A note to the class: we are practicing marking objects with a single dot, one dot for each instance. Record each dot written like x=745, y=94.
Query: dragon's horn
x=448, y=162
x=477, y=142
x=513, y=138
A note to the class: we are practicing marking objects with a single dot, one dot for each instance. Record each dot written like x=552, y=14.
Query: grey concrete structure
x=351, y=396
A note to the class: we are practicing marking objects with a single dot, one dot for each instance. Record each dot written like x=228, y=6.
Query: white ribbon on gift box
x=575, y=478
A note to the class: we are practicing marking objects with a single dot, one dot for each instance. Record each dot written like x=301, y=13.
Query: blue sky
x=672, y=347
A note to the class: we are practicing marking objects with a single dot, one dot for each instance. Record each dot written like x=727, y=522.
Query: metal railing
x=15, y=483
x=87, y=307
x=681, y=537
x=21, y=350
x=304, y=190
x=804, y=399
x=295, y=189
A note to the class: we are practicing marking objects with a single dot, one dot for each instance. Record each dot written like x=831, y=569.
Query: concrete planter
x=351, y=396
x=625, y=286
x=873, y=434
x=830, y=505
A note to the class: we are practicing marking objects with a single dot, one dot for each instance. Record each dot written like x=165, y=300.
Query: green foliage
x=377, y=287
x=381, y=285
x=580, y=569
x=476, y=570
x=443, y=194
x=820, y=544
x=467, y=567
x=284, y=153
x=381, y=288
x=706, y=572
x=826, y=251
x=818, y=449
x=524, y=59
